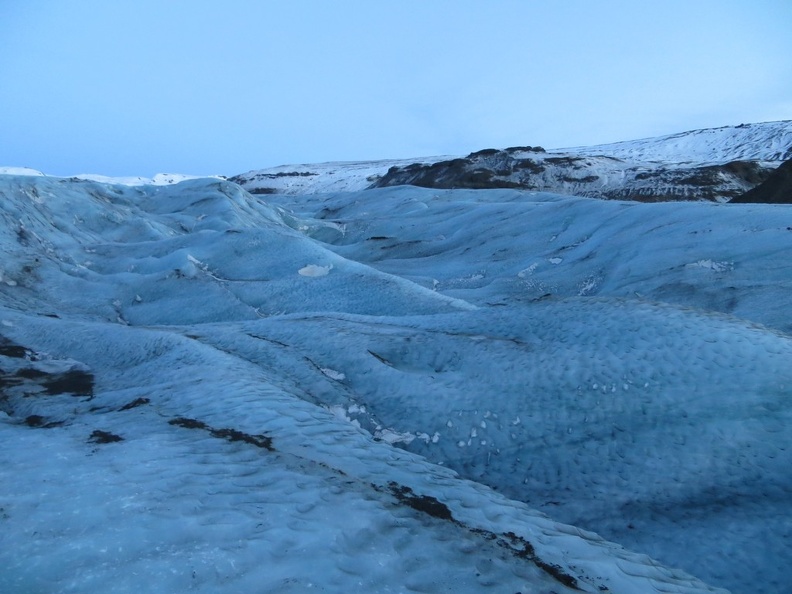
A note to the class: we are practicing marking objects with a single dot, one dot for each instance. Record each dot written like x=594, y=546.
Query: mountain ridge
x=711, y=164
x=714, y=164
x=706, y=145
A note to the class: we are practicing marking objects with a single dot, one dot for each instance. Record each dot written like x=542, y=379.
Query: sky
x=197, y=87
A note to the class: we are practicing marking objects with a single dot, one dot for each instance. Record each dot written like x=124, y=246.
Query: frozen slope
x=195, y=252
x=202, y=390
x=502, y=247
x=595, y=270
x=659, y=428
x=764, y=141
x=189, y=468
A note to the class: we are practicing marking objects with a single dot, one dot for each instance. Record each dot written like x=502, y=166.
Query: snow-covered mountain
x=590, y=176
x=320, y=178
x=714, y=164
x=765, y=141
x=390, y=390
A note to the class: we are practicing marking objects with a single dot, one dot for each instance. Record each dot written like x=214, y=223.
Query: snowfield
x=390, y=390
x=765, y=141
x=347, y=176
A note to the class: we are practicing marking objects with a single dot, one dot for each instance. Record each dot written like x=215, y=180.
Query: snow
x=19, y=171
x=315, y=270
x=390, y=390
x=344, y=176
x=765, y=141
x=160, y=179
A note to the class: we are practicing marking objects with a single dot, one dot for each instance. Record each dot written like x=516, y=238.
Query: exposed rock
x=260, y=441
x=26, y=375
x=135, y=403
x=99, y=436
x=590, y=176
x=776, y=189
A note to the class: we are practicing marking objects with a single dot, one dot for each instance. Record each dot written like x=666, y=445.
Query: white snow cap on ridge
x=160, y=179
x=764, y=141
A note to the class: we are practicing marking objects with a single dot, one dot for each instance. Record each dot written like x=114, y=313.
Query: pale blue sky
x=144, y=86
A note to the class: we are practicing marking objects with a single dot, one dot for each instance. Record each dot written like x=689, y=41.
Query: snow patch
x=314, y=270
x=393, y=437
x=712, y=265
x=20, y=171
x=528, y=271
x=333, y=374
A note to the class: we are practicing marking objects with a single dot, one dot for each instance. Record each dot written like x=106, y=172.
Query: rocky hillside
x=776, y=189
x=582, y=175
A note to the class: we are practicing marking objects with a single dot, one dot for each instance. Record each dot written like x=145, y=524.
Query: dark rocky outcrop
x=102, y=437
x=776, y=189
x=26, y=375
x=260, y=441
x=530, y=168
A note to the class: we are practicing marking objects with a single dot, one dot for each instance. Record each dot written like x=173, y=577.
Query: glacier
x=393, y=389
